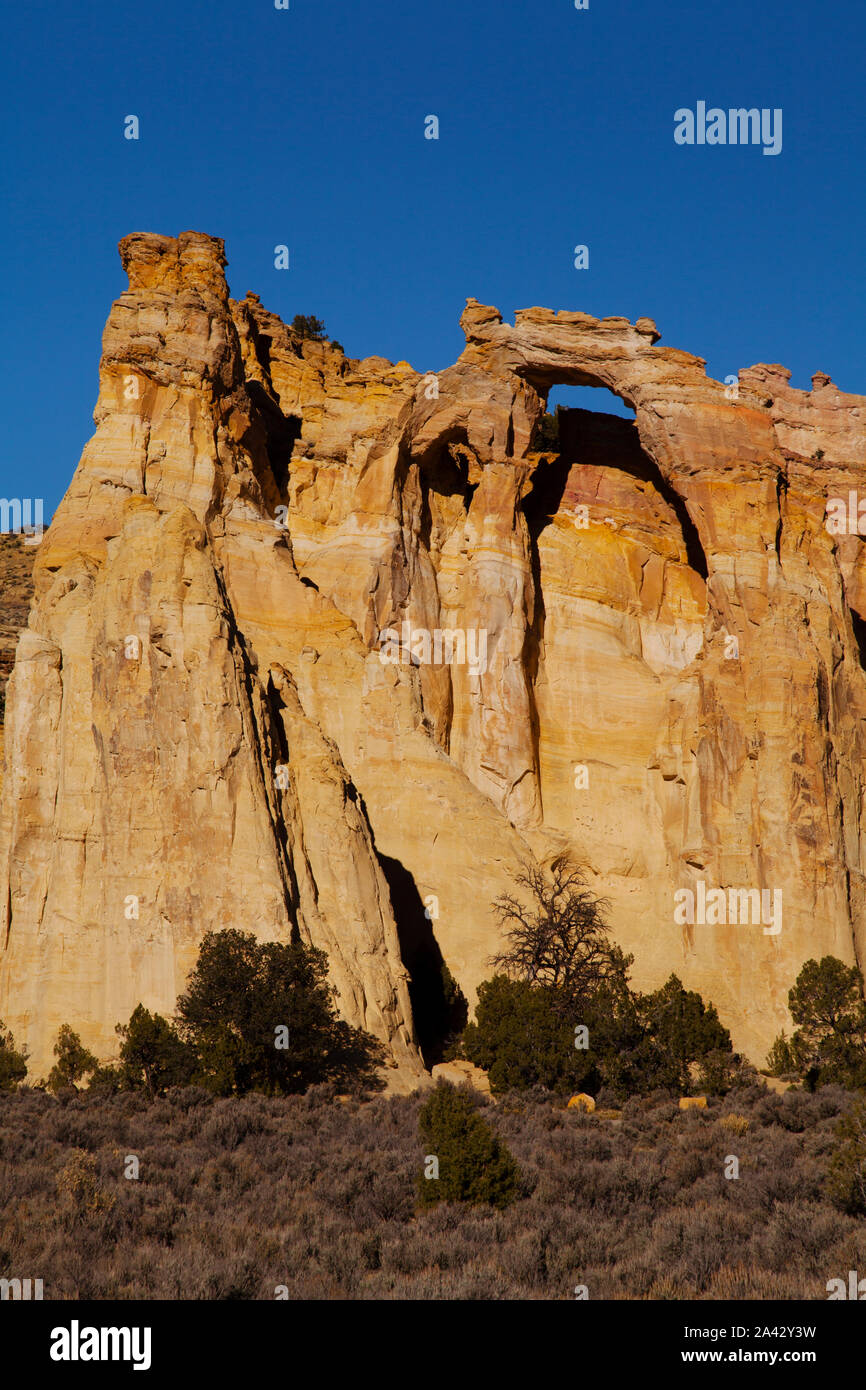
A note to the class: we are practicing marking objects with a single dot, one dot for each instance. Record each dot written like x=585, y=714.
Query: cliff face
x=650, y=657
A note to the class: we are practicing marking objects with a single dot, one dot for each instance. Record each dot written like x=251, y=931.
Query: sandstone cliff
x=201, y=731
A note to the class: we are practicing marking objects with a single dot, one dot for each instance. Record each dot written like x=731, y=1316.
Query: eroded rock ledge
x=200, y=729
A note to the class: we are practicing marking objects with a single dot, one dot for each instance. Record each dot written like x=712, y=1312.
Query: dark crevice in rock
x=781, y=491
x=439, y=1008
x=695, y=553
x=540, y=506
x=262, y=344
x=543, y=500
x=445, y=469
x=859, y=625
x=281, y=434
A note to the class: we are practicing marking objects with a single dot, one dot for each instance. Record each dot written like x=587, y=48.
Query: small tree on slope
x=474, y=1165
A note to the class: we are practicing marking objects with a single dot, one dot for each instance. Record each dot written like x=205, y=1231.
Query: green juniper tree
x=13, y=1063
x=685, y=1030
x=473, y=1164
x=308, y=326
x=260, y=1016
x=152, y=1055
x=74, y=1062
x=829, y=1043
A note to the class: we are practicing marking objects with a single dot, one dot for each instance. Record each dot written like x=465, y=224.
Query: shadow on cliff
x=859, y=626
x=281, y=433
x=574, y=437
x=439, y=1006
x=612, y=442
x=579, y=436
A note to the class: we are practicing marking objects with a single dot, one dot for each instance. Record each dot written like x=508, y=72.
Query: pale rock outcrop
x=461, y=1073
x=201, y=727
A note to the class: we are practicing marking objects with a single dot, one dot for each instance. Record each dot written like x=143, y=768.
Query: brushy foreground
x=237, y=1197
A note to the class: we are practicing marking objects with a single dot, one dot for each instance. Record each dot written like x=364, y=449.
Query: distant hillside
x=16, y=591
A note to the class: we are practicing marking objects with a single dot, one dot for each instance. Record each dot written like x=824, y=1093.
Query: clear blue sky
x=306, y=127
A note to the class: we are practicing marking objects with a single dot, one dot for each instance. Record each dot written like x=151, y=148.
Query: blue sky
x=306, y=127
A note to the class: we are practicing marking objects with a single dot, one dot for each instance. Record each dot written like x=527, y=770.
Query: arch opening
x=598, y=399
x=608, y=439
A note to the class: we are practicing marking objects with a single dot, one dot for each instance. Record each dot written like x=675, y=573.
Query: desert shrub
x=245, y=998
x=304, y=1186
x=79, y=1189
x=734, y=1123
x=188, y=1098
x=846, y=1179
x=794, y=1113
x=73, y=1063
x=13, y=1063
x=474, y=1165
x=743, y=1281
x=799, y=1233
x=545, y=437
